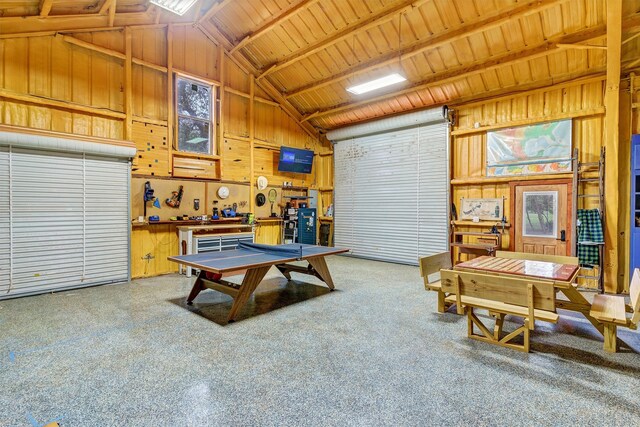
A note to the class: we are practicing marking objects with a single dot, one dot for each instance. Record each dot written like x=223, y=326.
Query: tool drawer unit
x=190, y=242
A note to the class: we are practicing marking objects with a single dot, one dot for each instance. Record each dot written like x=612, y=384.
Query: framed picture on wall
x=484, y=209
x=526, y=150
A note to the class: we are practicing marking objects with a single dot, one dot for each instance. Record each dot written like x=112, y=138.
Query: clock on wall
x=223, y=192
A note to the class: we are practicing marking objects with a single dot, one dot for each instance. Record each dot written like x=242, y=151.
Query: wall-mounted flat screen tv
x=295, y=160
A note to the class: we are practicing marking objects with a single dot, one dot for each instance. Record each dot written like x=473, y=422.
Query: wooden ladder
x=583, y=173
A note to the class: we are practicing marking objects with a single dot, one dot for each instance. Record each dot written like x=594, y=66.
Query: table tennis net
x=279, y=250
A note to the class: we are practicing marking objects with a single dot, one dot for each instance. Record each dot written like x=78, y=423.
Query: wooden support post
x=221, y=77
x=170, y=106
x=112, y=12
x=611, y=141
x=252, y=129
x=45, y=8
x=128, y=84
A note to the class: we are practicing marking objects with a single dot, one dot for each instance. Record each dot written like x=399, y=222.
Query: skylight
x=178, y=7
x=376, y=84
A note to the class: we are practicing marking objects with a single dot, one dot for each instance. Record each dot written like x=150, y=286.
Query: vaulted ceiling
x=310, y=51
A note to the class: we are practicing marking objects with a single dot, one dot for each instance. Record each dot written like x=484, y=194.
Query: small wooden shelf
x=463, y=223
x=479, y=180
x=196, y=155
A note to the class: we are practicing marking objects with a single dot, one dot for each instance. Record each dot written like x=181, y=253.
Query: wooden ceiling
x=310, y=51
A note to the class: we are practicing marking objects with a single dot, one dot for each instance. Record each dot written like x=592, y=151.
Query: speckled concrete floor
x=374, y=352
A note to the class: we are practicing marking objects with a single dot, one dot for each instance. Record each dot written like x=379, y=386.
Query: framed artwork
x=526, y=150
x=484, y=209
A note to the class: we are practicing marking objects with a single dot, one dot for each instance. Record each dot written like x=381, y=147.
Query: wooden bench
x=430, y=267
x=529, y=299
x=558, y=259
x=611, y=310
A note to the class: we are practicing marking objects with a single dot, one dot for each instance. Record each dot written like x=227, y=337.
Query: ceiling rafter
x=349, y=31
x=478, y=67
x=245, y=65
x=596, y=74
x=286, y=14
x=215, y=8
x=433, y=42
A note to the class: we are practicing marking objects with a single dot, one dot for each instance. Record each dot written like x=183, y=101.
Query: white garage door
x=391, y=187
x=64, y=216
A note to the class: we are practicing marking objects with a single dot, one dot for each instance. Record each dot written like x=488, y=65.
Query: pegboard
x=152, y=157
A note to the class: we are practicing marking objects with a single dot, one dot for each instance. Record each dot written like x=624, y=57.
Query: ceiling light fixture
x=376, y=84
x=179, y=7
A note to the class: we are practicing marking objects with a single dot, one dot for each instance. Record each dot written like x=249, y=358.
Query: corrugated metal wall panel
x=5, y=232
x=47, y=214
x=67, y=220
x=106, y=220
x=433, y=198
x=406, y=172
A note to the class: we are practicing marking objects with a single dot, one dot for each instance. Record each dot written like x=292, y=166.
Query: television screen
x=295, y=160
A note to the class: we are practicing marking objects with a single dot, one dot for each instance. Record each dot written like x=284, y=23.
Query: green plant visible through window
x=540, y=213
x=194, y=113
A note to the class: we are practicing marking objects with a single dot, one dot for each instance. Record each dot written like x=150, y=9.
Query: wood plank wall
x=581, y=100
x=78, y=83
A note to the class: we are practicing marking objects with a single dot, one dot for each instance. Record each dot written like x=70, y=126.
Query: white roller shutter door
x=392, y=188
x=64, y=218
x=5, y=229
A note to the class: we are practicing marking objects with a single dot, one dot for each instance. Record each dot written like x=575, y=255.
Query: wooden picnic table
x=563, y=277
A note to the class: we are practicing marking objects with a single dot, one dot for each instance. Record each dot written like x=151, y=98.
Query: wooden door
x=542, y=213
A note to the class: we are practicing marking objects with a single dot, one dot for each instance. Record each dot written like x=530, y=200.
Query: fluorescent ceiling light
x=376, y=84
x=178, y=7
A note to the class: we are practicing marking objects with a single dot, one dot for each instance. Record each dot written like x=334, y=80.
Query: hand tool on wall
x=176, y=198
x=148, y=196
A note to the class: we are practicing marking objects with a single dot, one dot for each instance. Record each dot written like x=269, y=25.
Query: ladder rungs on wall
x=579, y=170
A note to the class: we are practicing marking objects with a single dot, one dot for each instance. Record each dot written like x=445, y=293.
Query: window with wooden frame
x=195, y=116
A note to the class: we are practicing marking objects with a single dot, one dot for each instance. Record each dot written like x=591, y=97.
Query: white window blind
x=392, y=191
x=64, y=219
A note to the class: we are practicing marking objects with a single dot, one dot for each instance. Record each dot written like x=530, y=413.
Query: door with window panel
x=542, y=218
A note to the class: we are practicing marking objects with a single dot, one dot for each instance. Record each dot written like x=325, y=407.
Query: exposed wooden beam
x=170, y=99
x=349, y=31
x=112, y=12
x=510, y=91
x=45, y=8
x=65, y=105
x=286, y=14
x=243, y=63
x=630, y=38
x=611, y=141
x=581, y=46
x=477, y=67
x=91, y=46
x=213, y=10
x=110, y=52
x=128, y=83
x=252, y=135
x=68, y=23
x=433, y=42
x=106, y=4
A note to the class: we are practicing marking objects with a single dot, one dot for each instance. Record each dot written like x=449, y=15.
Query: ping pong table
x=256, y=260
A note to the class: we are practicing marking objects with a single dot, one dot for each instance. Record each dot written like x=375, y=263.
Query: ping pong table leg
x=320, y=266
x=284, y=271
x=250, y=282
x=197, y=287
